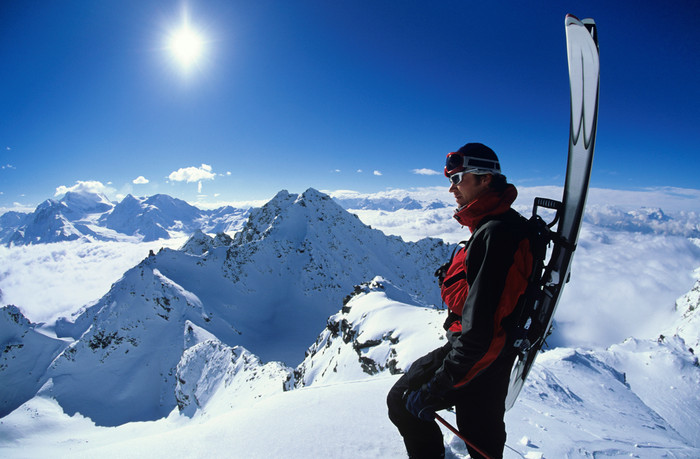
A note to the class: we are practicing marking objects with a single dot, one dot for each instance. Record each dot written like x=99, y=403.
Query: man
x=481, y=288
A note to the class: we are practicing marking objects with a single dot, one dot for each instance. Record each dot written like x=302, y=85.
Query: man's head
x=472, y=170
x=472, y=158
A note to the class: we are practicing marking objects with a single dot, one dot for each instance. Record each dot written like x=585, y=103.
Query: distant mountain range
x=91, y=216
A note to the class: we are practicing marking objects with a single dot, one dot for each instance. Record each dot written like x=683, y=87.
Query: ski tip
x=588, y=23
x=571, y=19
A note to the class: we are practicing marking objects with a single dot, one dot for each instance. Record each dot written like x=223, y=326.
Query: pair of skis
x=584, y=76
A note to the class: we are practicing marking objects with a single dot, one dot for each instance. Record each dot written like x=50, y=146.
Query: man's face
x=470, y=188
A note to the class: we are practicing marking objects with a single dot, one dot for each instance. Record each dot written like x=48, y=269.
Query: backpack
x=527, y=322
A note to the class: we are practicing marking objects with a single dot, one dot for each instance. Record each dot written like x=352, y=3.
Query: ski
x=584, y=77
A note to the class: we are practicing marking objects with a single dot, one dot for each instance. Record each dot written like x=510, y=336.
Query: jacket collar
x=490, y=203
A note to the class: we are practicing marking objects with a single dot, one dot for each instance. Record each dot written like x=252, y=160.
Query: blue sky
x=332, y=95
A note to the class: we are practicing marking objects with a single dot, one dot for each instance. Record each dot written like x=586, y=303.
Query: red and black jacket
x=481, y=288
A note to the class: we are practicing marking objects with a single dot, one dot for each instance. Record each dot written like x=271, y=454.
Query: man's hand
x=422, y=403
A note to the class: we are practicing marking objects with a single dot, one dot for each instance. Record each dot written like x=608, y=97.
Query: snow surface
x=622, y=381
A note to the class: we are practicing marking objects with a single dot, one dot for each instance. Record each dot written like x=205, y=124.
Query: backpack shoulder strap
x=442, y=270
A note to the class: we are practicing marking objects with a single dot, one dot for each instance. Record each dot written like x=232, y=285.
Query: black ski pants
x=479, y=406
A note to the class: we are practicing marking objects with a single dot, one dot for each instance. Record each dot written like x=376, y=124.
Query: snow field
x=346, y=420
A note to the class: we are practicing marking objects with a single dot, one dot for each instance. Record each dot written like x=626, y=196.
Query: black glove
x=423, y=403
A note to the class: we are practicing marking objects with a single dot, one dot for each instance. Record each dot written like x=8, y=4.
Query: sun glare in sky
x=186, y=44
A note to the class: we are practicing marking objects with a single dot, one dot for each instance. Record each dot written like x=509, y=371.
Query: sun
x=186, y=44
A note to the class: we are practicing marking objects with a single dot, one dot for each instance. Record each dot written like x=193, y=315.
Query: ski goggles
x=456, y=163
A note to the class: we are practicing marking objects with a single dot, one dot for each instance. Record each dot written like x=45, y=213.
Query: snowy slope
x=26, y=353
x=576, y=405
x=687, y=325
x=665, y=376
x=213, y=375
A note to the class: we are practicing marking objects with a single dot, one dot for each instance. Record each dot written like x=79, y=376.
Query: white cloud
x=89, y=186
x=192, y=174
x=377, y=173
x=359, y=171
x=140, y=180
x=425, y=171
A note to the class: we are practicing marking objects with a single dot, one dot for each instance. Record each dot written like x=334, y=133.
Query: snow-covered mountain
x=156, y=217
x=26, y=354
x=269, y=289
x=90, y=216
x=220, y=378
x=68, y=219
x=9, y=221
x=378, y=330
x=688, y=324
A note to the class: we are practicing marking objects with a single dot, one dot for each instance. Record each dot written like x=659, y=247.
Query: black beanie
x=477, y=152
